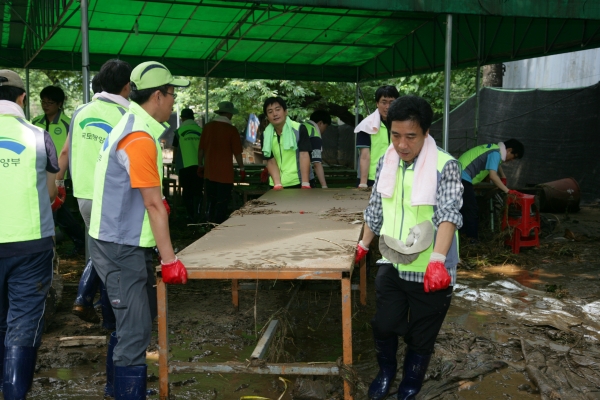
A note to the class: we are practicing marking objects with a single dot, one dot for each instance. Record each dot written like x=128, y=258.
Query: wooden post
x=235, y=294
x=347, y=330
x=163, y=340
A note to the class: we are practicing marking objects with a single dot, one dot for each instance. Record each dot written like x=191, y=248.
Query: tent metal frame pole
x=477, y=84
x=206, y=116
x=85, y=51
x=27, y=104
x=356, y=100
x=447, y=75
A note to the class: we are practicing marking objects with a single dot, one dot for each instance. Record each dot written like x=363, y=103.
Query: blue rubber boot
x=415, y=367
x=108, y=315
x=109, y=389
x=386, y=358
x=84, y=302
x=130, y=382
x=19, y=365
x=2, y=337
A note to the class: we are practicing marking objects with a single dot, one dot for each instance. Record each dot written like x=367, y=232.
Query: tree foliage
x=302, y=97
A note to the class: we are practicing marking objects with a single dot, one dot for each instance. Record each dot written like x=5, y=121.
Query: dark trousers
x=404, y=309
x=218, y=196
x=69, y=225
x=469, y=211
x=128, y=274
x=191, y=189
x=24, y=285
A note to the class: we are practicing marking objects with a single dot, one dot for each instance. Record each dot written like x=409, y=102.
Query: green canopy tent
x=320, y=40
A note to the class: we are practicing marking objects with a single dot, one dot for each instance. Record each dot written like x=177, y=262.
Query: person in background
x=130, y=217
x=286, y=146
x=477, y=163
x=372, y=135
x=414, y=207
x=28, y=164
x=186, y=142
x=91, y=125
x=220, y=142
x=316, y=126
x=56, y=123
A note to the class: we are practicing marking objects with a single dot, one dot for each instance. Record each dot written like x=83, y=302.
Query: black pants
x=191, y=189
x=69, y=225
x=404, y=309
x=469, y=211
x=218, y=196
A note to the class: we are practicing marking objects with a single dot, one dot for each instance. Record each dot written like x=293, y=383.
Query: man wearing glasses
x=129, y=218
x=56, y=123
x=372, y=136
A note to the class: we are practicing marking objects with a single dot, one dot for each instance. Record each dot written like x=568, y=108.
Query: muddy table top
x=290, y=230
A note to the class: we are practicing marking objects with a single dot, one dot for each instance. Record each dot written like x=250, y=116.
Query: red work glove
x=305, y=185
x=515, y=193
x=264, y=175
x=167, y=207
x=174, y=273
x=361, y=252
x=60, y=198
x=278, y=187
x=504, y=181
x=436, y=275
x=243, y=175
x=200, y=171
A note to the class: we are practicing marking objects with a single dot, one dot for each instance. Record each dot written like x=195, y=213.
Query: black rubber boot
x=19, y=365
x=386, y=358
x=109, y=388
x=415, y=367
x=84, y=302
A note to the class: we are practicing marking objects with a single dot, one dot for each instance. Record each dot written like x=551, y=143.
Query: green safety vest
x=189, y=140
x=25, y=213
x=118, y=211
x=288, y=161
x=473, y=161
x=312, y=131
x=399, y=215
x=380, y=141
x=92, y=123
x=58, y=128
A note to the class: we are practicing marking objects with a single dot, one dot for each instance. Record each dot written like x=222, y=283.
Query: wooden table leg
x=347, y=330
x=235, y=293
x=163, y=340
x=363, y=281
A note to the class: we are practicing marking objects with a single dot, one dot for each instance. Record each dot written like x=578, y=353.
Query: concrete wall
x=569, y=70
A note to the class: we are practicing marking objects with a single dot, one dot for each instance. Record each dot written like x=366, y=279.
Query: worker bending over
x=477, y=164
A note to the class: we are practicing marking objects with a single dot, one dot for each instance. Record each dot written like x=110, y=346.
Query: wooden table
x=299, y=235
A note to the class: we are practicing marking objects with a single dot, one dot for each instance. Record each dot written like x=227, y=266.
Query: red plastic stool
x=523, y=216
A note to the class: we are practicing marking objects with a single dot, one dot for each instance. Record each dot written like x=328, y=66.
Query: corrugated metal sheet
x=569, y=70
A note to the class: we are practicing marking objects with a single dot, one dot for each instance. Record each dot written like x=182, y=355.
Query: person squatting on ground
x=57, y=124
x=186, y=142
x=28, y=164
x=316, y=126
x=286, y=146
x=477, y=163
x=129, y=217
x=414, y=206
x=219, y=142
x=92, y=122
x=372, y=135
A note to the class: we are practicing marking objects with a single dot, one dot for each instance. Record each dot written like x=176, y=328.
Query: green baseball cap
x=151, y=74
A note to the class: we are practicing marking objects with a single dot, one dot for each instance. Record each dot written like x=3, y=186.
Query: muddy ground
x=520, y=326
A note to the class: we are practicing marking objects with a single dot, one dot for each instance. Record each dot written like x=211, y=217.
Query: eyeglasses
x=172, y=94
x=48, y=103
